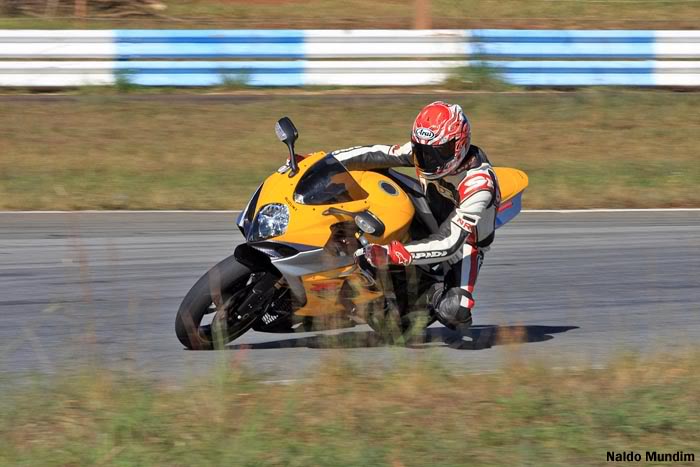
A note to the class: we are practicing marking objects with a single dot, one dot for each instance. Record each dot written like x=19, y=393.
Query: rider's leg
x=453, y=302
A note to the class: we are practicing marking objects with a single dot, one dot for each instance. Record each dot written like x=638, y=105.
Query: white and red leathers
x=464, y=203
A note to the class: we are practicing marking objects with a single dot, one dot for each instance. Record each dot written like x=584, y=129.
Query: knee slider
x=455, y=305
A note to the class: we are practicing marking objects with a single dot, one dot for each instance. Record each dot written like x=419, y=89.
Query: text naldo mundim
x=649, y=456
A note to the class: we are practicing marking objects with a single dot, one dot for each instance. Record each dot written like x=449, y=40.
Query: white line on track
x=124, y=211
x=283, y=382
x=572, y=368
x=184, y=211
x=577, y=211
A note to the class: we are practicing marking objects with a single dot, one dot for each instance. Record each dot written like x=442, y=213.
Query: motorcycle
x=302, y=227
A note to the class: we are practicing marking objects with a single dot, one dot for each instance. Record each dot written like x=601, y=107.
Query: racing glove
x=382, y=255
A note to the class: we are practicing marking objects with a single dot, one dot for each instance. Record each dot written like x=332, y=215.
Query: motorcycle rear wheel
x=221, y=289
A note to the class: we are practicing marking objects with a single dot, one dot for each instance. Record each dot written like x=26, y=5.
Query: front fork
x=369, y=274
x=381, y=279
x=262, y=291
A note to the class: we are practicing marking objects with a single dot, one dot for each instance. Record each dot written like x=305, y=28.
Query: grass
x=418, y=413
x=478, y=77
x=662, y=14
x=590, y=148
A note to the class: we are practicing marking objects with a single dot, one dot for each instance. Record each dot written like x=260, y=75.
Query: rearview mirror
x=286, y=131
x=288, y=134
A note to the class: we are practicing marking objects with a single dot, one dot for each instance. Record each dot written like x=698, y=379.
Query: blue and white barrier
x=335, y=57
x=342, y=73
x=59, y=44
x=611, y=73
x=323, y=44
x=600, y=44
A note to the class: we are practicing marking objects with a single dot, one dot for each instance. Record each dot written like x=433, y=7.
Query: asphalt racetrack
x=100, y=289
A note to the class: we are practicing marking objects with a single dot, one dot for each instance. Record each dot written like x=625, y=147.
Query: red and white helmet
x=440, y=138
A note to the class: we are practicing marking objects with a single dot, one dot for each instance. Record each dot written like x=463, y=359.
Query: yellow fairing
x=395, y=210
x=323, y=290
x=510, y=181
x=308, y=227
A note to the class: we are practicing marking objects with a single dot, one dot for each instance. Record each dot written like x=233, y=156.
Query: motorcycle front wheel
x=220, y=291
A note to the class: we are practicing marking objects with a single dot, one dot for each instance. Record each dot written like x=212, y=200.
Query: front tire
x=223, y=286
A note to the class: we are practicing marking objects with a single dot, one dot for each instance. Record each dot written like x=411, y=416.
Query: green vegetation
x=416, y=414
x=123, y=82
x=589, y=148
x=234, y=81
x=653, y=14
x=478, y=77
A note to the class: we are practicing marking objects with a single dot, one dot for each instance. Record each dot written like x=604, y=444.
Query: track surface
x=103, y=288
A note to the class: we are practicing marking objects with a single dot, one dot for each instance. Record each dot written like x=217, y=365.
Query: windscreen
x=328, y=182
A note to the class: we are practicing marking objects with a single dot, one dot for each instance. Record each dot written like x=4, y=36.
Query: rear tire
x=217, y=287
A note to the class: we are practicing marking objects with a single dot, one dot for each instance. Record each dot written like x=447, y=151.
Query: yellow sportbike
x=298, y=267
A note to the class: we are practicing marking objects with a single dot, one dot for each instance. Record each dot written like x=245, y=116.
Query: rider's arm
x=460, y=227
x=375, y=157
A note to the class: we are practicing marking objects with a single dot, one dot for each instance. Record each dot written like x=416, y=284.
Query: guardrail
x=337, y=57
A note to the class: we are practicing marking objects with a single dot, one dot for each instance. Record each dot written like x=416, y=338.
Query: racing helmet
x=440, y=139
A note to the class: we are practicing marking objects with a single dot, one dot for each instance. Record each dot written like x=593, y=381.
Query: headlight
x=271, y=221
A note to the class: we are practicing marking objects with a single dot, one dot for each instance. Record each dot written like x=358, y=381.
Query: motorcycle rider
x=462, y=192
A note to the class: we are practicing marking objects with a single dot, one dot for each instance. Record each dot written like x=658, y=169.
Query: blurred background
x=131, y=132
x=143, y=103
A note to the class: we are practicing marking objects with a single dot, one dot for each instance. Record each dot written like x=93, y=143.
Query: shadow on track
x=482, y=337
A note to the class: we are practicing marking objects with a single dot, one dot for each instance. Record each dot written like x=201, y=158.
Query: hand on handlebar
x=382, y=255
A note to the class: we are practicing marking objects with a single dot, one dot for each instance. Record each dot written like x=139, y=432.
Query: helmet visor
x=432, y=160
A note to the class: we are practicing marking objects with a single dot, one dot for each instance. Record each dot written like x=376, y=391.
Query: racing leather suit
x=464, y=203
